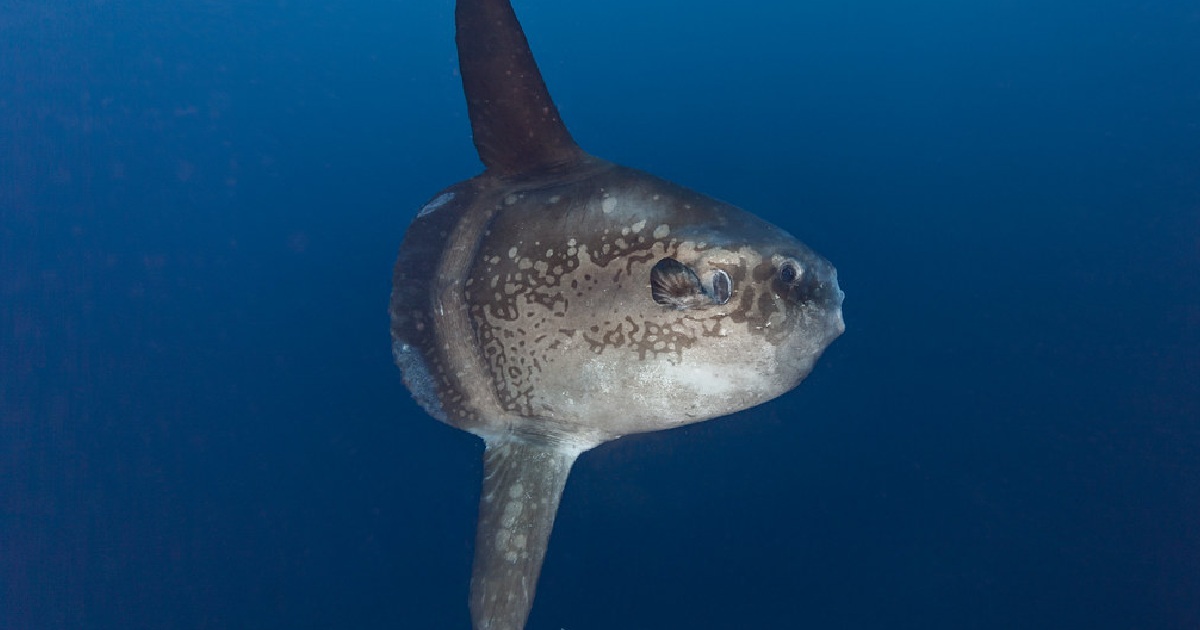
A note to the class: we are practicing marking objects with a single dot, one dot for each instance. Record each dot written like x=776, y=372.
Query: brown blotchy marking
x=745, y=305
x=715, y=331
x=766, y=305
x=520, y=286
x=640, y=258
x=659, y=340
x=763, y=270
x=647, y=339
x=549, y=300
x=737, y=272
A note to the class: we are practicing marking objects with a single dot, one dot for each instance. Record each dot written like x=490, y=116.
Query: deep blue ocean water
x=200, y=423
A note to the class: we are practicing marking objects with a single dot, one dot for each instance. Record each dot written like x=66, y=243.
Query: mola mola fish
x=558, y=301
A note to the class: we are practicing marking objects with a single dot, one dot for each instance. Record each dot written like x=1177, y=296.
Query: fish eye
x=789, y=271
x=722, y=287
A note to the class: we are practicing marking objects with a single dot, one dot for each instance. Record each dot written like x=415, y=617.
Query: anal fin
x=522, y=484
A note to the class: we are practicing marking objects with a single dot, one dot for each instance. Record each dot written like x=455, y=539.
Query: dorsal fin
x=516, y=126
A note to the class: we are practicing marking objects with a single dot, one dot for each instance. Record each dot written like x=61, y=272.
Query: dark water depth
x=200, y=425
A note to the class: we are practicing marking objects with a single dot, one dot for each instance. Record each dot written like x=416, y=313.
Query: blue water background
x=200, y=425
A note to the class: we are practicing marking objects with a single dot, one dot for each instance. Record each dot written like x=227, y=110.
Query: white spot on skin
x=662, y=231
x=418, y=377
x=512, y=510
x=608, y=205
x=512, y=252
x=437, y=202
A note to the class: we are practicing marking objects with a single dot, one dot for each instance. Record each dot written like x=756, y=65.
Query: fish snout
x=818, y=284
x=833, y=300
x=818, y=287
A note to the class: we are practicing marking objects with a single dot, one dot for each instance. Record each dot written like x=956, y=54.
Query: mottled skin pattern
x=522, y=311
x=555, y=292
x=558, y=301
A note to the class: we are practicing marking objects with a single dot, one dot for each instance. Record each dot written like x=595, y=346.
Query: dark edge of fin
x=522, y=483
x=516, y=127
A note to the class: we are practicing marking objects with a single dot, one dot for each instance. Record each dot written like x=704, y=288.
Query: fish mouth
x=832, y=293
x=839, y=323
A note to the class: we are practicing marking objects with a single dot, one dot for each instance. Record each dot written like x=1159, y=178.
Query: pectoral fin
x=676, y=285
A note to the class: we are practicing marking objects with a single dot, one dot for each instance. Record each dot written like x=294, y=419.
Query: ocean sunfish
x=558, y=301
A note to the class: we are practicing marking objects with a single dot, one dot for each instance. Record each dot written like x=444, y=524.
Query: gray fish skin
x=558, y=301
x=522, y=312
x=567, y=343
